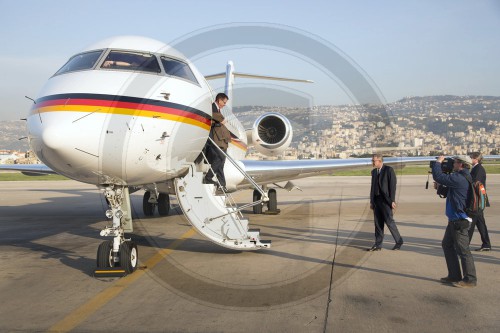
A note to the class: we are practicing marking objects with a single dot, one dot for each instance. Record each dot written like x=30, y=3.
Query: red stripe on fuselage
x=118, y=104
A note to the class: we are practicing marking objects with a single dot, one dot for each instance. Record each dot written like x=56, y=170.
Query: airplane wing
x=265, y=172
x=29, y=169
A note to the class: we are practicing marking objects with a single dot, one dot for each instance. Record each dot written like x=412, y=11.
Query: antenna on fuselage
x=30, y=99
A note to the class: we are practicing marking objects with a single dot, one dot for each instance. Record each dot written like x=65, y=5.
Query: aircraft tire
x=163, y=204
x=105, y=254
x=257, y=209
x=147, y=207
x=272, y=205
x=129, y=256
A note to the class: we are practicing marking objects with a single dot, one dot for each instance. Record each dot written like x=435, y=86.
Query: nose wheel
x=125, y=263
x=105, y=255
x=128, y=256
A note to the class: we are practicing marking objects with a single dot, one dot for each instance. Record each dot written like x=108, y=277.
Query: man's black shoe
x=484, y=249
x=448, y=280
x=374, y=248
x=465, y=284
x=397, y=246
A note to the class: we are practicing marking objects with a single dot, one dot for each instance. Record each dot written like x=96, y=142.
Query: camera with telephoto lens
x=446, y=167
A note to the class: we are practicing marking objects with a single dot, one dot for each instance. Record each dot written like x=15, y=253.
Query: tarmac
x=316, y=277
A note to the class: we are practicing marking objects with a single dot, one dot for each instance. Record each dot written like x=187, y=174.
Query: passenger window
x=178, y=68
x=80, y=62
x=131, y=61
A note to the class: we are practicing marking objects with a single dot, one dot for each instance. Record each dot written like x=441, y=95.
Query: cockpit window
x=131, y=61
x=178, y=68
x=80, y=62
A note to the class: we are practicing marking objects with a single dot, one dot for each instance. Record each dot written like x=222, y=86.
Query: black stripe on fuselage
x=127, y=99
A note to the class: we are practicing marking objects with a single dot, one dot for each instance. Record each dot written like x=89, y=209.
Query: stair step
x=265, y=243
x=206, y=211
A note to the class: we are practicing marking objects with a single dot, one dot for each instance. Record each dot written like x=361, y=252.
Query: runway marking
x=95, y=303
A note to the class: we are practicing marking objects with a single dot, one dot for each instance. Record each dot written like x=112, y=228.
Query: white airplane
x=131, y=113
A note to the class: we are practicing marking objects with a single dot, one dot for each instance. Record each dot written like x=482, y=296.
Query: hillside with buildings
x=13, y=135
x=414, y=125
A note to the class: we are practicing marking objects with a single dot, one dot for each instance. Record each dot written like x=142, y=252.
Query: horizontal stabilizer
x=253, y=76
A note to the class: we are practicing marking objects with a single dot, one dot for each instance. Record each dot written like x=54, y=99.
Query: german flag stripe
x=126, y=105
x=122, y=105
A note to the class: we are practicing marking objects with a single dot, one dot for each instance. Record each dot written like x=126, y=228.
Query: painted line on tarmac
x=95, y=303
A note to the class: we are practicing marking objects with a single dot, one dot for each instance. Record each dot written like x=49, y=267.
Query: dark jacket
x=478, y=173
x=219, y=133
x=387, y=180
x=457, y=190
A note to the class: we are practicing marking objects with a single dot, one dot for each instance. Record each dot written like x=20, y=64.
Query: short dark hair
x=379, y=156
x=477, y=155
x=221, y=96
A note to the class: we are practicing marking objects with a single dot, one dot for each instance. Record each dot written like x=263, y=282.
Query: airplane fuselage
x=107, y=124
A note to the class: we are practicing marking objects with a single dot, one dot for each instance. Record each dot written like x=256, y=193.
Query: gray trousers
x=456, y=244
x=382, y=214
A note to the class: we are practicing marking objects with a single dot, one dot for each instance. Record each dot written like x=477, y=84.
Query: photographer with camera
x=456, y=238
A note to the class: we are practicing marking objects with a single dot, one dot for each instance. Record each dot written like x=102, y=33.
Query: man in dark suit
x=478, y=173
x=383, y=202
x=221, y=136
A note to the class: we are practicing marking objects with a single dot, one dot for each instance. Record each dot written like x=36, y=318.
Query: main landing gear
x=118, y=256
x=150, y=201
x=272, y=204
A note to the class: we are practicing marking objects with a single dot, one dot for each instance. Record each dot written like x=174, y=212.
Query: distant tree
x=494, y=152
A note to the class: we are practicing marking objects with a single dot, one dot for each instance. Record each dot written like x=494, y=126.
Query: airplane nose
x=51, y=138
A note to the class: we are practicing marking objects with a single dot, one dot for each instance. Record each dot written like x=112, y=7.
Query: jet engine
x=271, y=134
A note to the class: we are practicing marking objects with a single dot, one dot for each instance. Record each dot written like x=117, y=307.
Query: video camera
x=446, y=167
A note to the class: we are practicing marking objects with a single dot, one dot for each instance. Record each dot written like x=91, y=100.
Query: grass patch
x=18, y=176
x=491, y=169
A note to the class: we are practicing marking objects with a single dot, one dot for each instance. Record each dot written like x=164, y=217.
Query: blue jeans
x=456, y=244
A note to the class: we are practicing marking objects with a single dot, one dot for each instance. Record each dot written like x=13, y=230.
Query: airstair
x=214, y=213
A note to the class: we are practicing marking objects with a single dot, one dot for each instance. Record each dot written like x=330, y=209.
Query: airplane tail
x=228, y=88
x=230, y=74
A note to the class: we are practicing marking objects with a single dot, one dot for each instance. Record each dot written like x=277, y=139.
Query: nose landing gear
x=117, y=257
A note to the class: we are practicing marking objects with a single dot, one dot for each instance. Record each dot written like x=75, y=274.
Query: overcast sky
x=401, y=48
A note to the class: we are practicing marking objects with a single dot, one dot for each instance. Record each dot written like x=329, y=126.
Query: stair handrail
x=232, y=202
x=243, y=172
x=247, y=177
